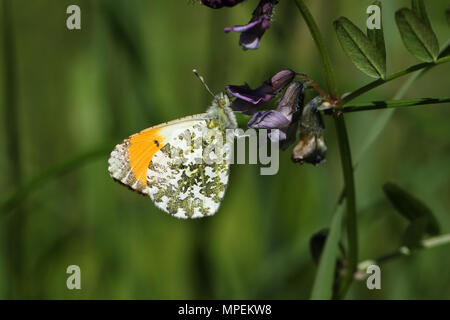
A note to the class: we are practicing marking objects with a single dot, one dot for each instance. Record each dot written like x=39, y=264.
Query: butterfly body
x=174, y=163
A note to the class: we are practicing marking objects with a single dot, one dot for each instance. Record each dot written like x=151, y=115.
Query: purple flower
x=252, y=32
x=283, y=118
x=249, y=100
x=217, y=4
x=272, y=119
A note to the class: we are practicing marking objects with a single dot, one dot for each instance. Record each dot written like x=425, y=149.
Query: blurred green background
x=67, y=93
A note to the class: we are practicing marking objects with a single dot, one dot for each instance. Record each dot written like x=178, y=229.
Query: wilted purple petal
x=291, y=99
x=217, y=4
x=291, y=107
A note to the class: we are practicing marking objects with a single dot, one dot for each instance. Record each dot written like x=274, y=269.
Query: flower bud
x=311, y=147
x=281, y=79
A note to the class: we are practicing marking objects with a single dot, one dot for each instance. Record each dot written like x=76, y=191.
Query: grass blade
x=324, y=281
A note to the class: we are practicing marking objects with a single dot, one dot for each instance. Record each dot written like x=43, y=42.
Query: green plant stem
x=349, y=181
x=372, y=137
x=405, y=251
x=391, y=77
x=344, y=147
x=318, y=39
x=375, y=105
x=383, y=119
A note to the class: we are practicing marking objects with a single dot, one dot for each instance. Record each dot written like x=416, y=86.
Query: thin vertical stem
x=344, y=149
x=318, y=39
x=352, y=230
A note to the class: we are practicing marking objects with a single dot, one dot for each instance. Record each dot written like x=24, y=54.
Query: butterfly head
x=220, y=109
x=222, y=100
x=222, y=112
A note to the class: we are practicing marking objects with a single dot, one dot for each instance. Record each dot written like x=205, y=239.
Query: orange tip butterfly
x=182, y=165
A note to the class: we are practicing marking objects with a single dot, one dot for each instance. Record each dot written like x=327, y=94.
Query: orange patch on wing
x=143, y=146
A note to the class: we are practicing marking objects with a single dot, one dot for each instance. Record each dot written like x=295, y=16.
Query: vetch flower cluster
x=288, y=117
x=281, y=117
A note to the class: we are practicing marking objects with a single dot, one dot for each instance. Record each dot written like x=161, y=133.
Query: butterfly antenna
x=202, y=81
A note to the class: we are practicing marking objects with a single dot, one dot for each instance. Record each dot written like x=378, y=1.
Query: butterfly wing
x=167, y=163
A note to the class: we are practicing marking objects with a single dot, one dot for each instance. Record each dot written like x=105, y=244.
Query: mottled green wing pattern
x=188, y=177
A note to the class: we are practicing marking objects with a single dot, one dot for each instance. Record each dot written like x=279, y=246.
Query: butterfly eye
x=223, y=100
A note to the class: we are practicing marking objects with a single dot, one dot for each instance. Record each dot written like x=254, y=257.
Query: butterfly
x=182, y=165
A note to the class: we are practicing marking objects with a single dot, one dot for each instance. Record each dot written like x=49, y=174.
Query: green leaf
x=417, y=36
x=418, y=7
x=445, y=52
x=377, y=35
x=410, y=207
x=415, y=232
x=324, y=281
x=361, y=51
